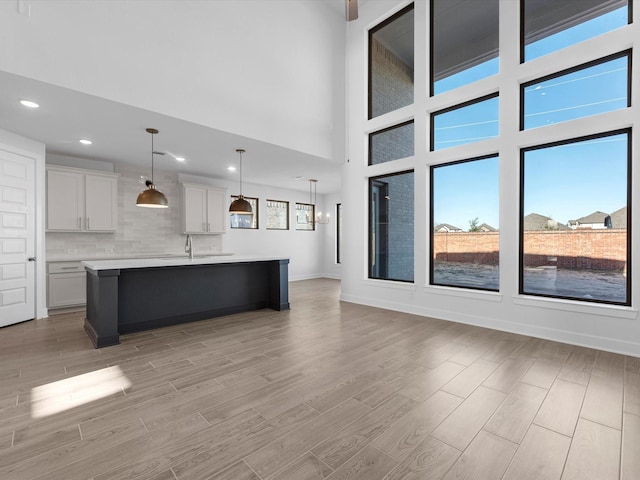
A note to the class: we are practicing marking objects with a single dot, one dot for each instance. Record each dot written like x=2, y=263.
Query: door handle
x=31, y=259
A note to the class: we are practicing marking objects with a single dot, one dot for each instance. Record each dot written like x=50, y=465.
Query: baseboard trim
x=579, y=339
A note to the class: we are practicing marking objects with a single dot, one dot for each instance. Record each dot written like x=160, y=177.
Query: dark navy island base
x=126, y=300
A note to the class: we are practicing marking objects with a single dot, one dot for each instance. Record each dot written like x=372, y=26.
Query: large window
x=391, y=226
x=467, y=123
x=464, y=42
x=598, y=87
x=391, y=63
x=542, y=146
x=464, y=224
x=550, y=26
x=575, y=211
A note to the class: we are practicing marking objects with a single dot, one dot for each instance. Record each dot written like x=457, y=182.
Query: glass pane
x=391, y=63
x=305, y=215
x=574, y=229
x=339, y=233
x=391, y=143
x=550, y=26
x=465, y=124
x=245, y=221
x=464, y=42
x=277, y=215
x=465, y=239
x=599, y=88
x=391, y=226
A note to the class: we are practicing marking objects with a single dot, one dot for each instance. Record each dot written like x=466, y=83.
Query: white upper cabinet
x=81, y=200
x=204, y=209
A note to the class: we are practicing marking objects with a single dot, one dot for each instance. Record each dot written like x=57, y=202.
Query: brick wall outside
x=391, y=81
x=467, y=247
x=392, y=88
x=570, y=249
x=401, y=220
x=392, y=144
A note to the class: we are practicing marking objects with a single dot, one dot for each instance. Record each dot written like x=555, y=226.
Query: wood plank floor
x=327, y=390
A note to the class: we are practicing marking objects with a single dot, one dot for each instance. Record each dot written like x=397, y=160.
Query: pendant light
x=152, y=198
x=318, y=218
x=240, y=205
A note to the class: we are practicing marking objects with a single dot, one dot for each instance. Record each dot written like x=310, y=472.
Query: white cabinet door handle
x=88, y=223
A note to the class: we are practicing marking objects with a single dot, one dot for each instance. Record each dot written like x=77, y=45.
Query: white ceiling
x=118, y=134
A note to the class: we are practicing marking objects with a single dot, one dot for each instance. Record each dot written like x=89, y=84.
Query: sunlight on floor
x=71, y=392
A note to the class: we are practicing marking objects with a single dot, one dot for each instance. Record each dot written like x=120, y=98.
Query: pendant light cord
x=152, y=158
x=240, y=152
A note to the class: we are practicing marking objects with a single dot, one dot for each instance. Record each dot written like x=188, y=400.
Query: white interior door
x=17, y=238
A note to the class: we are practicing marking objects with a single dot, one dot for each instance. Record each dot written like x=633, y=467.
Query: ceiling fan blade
x=352, y=9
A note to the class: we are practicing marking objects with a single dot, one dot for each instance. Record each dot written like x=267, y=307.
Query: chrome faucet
x=188, y=246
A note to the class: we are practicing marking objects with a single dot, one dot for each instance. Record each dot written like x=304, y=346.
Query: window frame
x=313, y=218
x=521, y=253
x=255, y=213
x=287, y=216
x=432, y=223
x=371, y=253
x=338, y=233
x=624, y=53
x=522, y=39
x=370, y=34
x=430, y=55
x=387, y=129
x=432, y=123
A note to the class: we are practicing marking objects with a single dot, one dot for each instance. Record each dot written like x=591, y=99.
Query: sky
x=562, y=182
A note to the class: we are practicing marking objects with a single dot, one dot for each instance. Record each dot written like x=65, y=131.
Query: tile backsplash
x=141, y=231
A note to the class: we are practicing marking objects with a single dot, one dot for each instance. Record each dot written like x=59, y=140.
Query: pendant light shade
x=240, y=206
x=152, y=198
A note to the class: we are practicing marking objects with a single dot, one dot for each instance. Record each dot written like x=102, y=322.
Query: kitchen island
x=131, y=295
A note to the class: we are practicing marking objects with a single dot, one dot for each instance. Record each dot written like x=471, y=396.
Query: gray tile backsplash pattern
x=141, y=231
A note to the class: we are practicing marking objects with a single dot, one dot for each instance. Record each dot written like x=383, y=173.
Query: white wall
x=270, y=70
x=150, y=231
x=607, y=327
x=304, y=248
x=331, y=269
x=35, y=150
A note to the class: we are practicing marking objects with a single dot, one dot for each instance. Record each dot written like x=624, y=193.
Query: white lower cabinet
x=66, y=285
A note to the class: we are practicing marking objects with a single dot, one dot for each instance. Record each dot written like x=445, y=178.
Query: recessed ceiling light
x=29, y=103
x=231, y=168
x=180, y=159
x=84, y=141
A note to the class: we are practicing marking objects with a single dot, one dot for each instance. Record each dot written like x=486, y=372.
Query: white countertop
x=127, y=263
x=117, y=256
